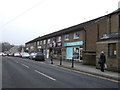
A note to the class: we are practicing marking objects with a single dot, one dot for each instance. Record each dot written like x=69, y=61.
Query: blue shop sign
x=74, y=43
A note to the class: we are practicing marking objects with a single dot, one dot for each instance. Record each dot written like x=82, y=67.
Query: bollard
x=60, y=60
x=51, y=60
x=73, y=62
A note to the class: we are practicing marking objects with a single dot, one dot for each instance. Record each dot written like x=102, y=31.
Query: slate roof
x=73, y=28
x=111, y=36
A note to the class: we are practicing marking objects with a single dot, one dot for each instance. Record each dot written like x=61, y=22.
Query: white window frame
x=59, y=39
x=44, y=42
x=76, y=35
x=48, y=41
x=66, y=39
x=40, y=42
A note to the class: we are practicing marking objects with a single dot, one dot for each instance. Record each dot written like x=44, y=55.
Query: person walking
x=102, y=61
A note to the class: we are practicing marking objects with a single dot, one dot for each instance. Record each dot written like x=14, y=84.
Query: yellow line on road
x=88, y=74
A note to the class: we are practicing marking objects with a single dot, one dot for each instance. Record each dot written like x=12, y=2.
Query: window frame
x=74, y=37
x=44, y=41
x=59, y=39
x=67, y=35
x=111, y=50
x=48, y=41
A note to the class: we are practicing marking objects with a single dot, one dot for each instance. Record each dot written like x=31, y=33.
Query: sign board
x=74, y=43
x=59, y=44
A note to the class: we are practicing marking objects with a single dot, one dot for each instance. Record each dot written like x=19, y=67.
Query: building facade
x=81, y=40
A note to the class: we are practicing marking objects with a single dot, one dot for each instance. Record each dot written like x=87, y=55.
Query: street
x=25, y=73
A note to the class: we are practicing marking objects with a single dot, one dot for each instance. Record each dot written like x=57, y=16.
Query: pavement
x=78, y=66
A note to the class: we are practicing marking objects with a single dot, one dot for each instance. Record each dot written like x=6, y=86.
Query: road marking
x=25, y=65
x=45, y=75
x=87, y=74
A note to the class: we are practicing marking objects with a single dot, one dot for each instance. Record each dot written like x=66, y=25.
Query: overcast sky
x=24, y=20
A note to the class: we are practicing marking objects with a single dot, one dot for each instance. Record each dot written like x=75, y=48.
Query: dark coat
x=102, y=58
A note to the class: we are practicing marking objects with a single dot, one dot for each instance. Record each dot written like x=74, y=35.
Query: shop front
x=74, y=49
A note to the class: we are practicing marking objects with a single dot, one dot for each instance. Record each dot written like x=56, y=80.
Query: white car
x=16, y=54
x=1, y=53
x=32, y=55
x=25, y=55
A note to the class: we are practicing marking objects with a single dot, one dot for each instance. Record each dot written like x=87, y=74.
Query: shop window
x=66, y=37
x=112, y=50
x=44, y=41
x=76, y=35
x=48, y=41
x=59, y=39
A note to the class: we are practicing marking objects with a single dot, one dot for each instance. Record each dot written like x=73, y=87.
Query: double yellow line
x=87, y=73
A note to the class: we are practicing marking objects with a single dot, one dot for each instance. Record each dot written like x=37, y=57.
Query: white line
x=45, y=75
x=25, y=65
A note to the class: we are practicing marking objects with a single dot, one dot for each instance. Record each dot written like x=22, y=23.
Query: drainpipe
x=85, y=38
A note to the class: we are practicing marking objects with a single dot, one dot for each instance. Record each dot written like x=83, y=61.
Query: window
x=44, y=42
x=112, y=50
x=59, y=39
x=76, y=35
x=40, y=42
x=48, y=41
x=66, y=37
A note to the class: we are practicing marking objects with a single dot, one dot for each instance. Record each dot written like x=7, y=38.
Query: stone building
x=84, y=40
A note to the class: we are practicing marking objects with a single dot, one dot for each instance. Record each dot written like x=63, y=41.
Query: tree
x=5, y=46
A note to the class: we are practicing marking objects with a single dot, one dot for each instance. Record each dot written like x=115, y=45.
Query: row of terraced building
x=85, y=40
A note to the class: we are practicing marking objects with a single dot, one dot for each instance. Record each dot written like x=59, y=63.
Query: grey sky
x=24, y=20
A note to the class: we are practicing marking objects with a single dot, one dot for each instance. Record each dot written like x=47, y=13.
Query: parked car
x=25, y=55
x=32, y=55
x=16, y=54
x=39, y=57
x=1, y=53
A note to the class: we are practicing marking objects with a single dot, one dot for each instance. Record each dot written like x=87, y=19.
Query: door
x=69, y=53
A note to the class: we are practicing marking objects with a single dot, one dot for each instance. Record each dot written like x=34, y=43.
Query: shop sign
x=59, y=44
x=74, y=43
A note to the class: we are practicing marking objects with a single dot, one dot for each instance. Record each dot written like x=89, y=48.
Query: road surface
x=25, y=73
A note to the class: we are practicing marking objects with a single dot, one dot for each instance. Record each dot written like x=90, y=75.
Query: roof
x=72, y=28
x=111, y=36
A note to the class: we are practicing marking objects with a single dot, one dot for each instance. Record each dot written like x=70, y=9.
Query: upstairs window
x=59, y=39
x=48, y=41
x=66, y=37
x=76, y=35
x=40, y=42
x=44, y=41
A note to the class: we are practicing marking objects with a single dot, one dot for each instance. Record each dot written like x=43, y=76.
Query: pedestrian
x=51, y=57
x=102, y=61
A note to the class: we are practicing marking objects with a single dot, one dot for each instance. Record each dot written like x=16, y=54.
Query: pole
x=60, y=59
x=73, y=62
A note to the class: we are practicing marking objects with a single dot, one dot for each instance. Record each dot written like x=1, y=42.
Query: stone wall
x=112, y=63
x=89, y=58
